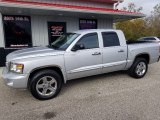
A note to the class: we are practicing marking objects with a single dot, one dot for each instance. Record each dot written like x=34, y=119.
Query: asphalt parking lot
x=114, y=96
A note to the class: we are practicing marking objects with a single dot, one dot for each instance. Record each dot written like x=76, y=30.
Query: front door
x=84, y=62
x=55, y=30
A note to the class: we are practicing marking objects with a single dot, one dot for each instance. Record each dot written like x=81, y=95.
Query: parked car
x=43, y=70
x=151, y=39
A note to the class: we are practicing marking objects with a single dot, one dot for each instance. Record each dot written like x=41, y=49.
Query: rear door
x=114, y=52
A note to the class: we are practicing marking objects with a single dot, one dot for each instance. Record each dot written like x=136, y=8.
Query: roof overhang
x=19, y=7
x=104, y=1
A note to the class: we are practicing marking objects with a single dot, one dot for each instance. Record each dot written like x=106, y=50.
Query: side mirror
x=78, y=47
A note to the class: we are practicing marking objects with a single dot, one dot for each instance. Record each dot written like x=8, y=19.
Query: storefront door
x=55, y=30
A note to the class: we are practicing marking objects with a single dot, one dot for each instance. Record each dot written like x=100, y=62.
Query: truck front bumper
x=15, y=80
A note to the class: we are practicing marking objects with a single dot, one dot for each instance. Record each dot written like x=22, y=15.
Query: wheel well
x=145, y=56
x=57, y=69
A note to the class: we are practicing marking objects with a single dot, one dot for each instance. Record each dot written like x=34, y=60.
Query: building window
x=55, y=30
x=17, y=30
x=87, y=24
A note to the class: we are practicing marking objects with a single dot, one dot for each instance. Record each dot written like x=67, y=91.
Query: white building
x=27, y=23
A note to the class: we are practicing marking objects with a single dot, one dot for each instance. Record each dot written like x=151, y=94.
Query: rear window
x=150, y=38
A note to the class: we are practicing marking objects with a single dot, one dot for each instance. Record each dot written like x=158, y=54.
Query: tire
x=139, y=68
x=45, y=84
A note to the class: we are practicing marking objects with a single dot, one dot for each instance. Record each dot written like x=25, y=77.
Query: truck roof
x=95, y=30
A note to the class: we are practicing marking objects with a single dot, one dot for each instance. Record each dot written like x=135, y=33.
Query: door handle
x=96, y=53
x=120, y=51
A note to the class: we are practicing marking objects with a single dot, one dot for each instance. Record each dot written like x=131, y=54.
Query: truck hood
x=33, y=52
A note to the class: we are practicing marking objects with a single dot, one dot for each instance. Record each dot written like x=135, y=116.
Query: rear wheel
x=139, y=68
x=45, y=84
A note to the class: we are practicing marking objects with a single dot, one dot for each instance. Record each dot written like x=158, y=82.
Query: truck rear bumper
x=15, y=80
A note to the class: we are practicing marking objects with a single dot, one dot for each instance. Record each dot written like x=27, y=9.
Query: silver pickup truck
x=43, y=70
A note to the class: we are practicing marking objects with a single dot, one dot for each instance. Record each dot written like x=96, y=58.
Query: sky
x=146, y=4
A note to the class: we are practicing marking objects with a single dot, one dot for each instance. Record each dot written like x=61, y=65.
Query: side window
x=89, y=41
x=110, y=39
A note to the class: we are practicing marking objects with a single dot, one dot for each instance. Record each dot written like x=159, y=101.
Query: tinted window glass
x=110, y=39
x=17, y=31
x=89, y=41
x=150, y=38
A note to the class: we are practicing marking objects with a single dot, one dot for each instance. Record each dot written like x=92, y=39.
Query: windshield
x=64, y=41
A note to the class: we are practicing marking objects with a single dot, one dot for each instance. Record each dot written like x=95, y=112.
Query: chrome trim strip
x=88, y=68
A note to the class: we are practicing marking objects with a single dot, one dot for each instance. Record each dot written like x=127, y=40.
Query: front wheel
x=139, y=68
x=45, y=84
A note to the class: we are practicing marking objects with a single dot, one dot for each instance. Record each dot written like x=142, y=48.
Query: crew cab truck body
x=74, y=55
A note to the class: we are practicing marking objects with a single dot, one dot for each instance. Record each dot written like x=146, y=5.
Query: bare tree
x=132, y=8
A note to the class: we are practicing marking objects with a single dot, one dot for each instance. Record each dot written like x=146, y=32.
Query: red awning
x=104, y=1
x=73, y=7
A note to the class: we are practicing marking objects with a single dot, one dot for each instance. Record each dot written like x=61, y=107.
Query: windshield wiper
x=49, y=46
x=55, y=47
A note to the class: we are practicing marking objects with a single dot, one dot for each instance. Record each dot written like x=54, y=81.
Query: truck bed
x=142, y=47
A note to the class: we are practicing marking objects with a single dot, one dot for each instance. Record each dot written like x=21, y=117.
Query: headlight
x=17, y=68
